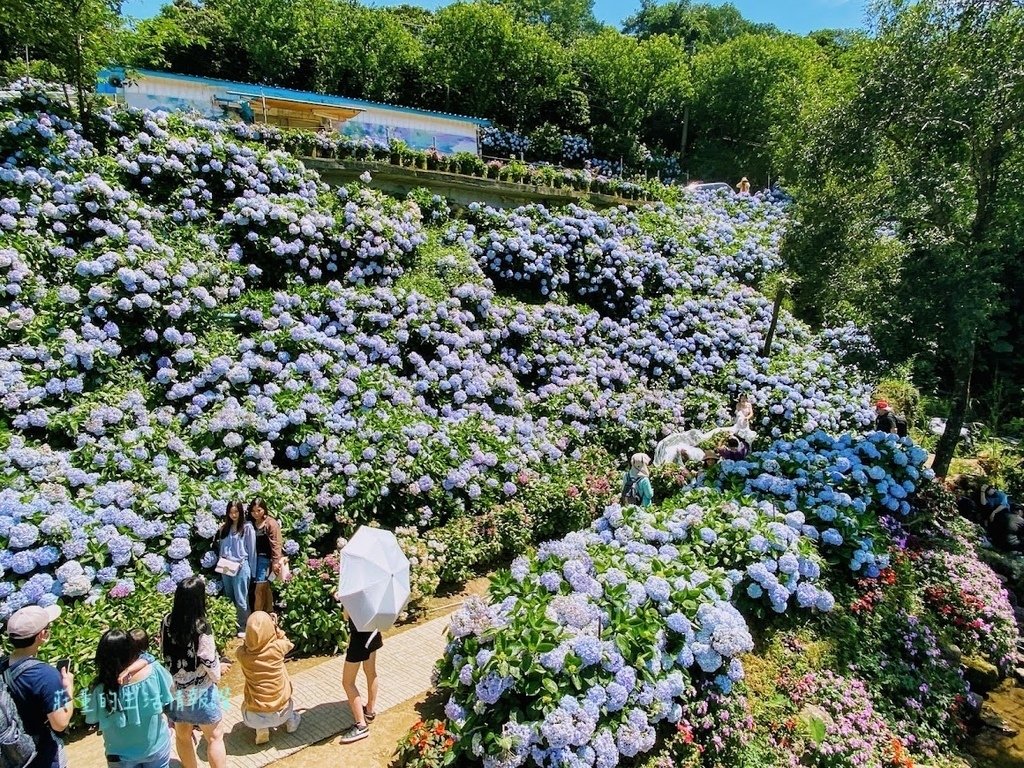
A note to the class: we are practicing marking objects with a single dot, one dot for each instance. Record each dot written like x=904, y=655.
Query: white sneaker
x=293, y=723
x=262, y=735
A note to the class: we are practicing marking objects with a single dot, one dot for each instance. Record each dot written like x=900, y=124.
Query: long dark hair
x=260, y=502
x=114, y=653
x=239, y=524
x=188, y=618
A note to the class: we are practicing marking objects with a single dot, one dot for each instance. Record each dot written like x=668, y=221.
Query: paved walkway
x=404, y=664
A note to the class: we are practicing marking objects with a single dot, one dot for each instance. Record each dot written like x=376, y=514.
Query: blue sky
x=800, y=16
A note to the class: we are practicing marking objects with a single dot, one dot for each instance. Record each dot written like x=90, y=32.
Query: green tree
x=925, y=156
x=190, y=38
x=696, y=25
x=565, y=20
x=77, y=37
x=748, y=93
x=636, y=89
x=481, y=61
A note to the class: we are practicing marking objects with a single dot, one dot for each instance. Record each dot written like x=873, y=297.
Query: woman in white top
x=190, y=655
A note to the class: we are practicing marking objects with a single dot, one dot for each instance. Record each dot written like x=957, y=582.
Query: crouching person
x=267, y=702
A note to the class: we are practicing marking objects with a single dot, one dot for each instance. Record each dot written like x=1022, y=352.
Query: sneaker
x=262, y=735
x=355, y=733
x=369, y=716
x=293, y=723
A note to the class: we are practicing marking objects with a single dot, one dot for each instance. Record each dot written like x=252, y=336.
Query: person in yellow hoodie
x=267, y=702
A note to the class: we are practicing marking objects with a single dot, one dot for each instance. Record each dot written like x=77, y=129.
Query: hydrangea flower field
x=191, y=316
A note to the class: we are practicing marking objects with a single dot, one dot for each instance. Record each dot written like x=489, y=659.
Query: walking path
x=404, y=666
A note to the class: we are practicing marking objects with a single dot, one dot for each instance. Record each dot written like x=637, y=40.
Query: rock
x=982, y=676
x=951, y=651
x=990, y=719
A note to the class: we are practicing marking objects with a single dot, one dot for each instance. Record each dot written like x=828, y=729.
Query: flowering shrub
x=585, y=649
x=427, y=745
x=501, y=142
x=427, y=557
x=835, y=724
x=193, y=317
x=311, y=616
x=970, y=603
x=575, y=148
x=842, y=485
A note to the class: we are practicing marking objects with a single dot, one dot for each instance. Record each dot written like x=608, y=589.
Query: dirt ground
x=998, y=750
x=377, y=749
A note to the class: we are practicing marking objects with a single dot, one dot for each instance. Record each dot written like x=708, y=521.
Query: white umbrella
x=374, y=581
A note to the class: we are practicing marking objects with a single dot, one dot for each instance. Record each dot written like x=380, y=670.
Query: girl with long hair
x=130, y=715
x=269, y=556
x=236, y=550
x=190, y=654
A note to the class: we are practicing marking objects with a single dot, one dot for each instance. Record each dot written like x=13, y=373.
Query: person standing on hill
x=885, y=419
x=362, y=651
x=636, y=483
x=190, y=655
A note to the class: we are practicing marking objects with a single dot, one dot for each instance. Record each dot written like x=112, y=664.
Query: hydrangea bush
x=665, y=594
x=191, y=316
x=585, y=649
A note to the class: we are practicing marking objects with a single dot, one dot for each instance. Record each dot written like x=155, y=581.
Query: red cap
x=882, y=404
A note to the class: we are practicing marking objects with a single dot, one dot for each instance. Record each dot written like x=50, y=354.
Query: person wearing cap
x=44, y=695
x=885, y=419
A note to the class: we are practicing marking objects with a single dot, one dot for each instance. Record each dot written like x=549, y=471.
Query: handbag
x=227, y=567
x=285, y=574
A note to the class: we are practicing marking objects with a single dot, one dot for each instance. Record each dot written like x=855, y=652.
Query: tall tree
x=77, y=37
x=748, y=93
x=696, y=25
x=481, y=61
x=190, y=38
x=636, y=90
x=929, y=146
x=565, y=20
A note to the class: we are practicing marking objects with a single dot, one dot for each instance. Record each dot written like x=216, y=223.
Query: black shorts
x=357, y=648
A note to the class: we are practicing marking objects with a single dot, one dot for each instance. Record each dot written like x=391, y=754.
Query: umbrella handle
x=370, y=638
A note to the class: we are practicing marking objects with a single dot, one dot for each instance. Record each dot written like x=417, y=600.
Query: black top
x=1007, y=531
x=263, y=542
x=886, y=422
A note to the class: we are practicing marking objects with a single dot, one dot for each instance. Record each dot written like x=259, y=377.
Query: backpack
x=631, y=494
x=901, y=425
x=17, y=748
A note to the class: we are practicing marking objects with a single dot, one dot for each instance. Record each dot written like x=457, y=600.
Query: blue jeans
x=237, y=588
x=262, y=568
x=159, y=760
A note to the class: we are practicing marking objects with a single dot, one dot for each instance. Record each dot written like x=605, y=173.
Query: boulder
x=982, y=676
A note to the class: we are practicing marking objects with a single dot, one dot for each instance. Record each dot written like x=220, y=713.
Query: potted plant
x=399, y=151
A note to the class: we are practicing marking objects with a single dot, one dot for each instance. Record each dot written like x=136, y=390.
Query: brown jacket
x=267, y=685
x=273, y=529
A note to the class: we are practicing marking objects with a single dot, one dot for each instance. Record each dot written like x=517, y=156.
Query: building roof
x=288, y=94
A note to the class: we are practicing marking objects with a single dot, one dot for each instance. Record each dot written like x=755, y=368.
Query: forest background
x=901, y=144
